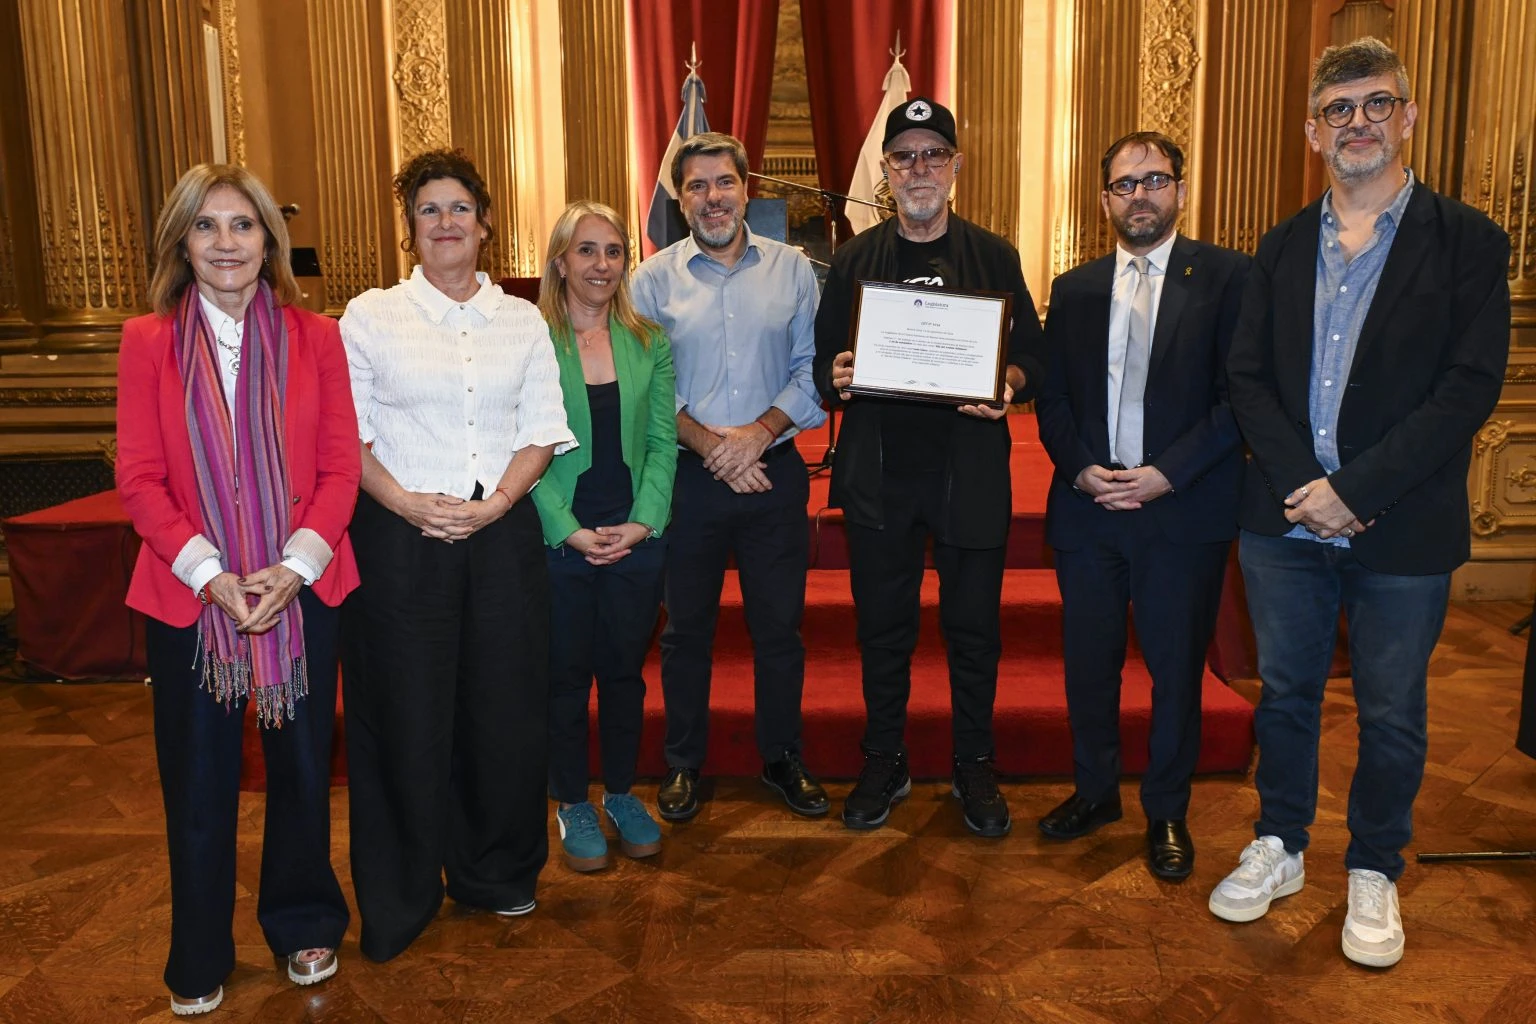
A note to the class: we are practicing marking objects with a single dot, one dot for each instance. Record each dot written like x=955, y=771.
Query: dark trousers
x=197, y=748
x=886, y=575
x=767, y=536
x=446, y=658
x=603, y=618
x=1295, y=589
x=1174, y=591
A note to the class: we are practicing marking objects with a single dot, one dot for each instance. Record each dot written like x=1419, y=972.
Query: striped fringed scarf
x=243, y=453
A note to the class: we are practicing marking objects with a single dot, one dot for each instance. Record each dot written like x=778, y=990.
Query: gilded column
x=80, y=107
x=989, y=62
x=595, y=89
x=1171, y=73
x=421, y=75
x=1251, y=158
x=19, y=278
x=171, y=82
x=233, y=110
x=1433, y=37
x=503, y=56
x=1501, y=136
x=1107, y=86
x=352, y=132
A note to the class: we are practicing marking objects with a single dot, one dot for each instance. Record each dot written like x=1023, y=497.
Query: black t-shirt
x=604, y=492
x=914, y=436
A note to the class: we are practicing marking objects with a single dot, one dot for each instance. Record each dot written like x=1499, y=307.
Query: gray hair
x=1366, y=57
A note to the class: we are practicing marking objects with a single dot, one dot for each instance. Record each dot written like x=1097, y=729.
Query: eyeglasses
x=1154, y=182
x=906, y=159
x=1377, y=109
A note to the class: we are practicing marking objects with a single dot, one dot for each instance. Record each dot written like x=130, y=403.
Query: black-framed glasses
x=1377, y=109
x=906, y=159
x=1154, y=182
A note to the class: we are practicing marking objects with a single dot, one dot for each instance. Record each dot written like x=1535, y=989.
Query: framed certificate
x=930, y=345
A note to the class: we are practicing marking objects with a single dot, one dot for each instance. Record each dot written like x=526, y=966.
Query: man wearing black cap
x=907, y=471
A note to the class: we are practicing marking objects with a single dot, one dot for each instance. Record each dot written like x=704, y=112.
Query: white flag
x=866, y=174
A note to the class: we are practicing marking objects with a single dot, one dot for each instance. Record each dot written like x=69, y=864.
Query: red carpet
x=1033, y=737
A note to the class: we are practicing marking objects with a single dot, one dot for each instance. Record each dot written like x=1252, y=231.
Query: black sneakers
x=882, y=782
x=986, y=812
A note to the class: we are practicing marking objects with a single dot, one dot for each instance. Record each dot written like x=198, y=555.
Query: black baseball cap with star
x=921, y=112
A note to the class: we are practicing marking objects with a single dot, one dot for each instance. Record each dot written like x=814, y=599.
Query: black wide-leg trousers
x=445, y=653
x=197, y=748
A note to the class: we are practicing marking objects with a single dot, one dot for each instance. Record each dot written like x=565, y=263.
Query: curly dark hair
x=431, y=166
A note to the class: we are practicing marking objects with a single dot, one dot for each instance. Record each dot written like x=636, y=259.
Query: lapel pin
x=1188, y=271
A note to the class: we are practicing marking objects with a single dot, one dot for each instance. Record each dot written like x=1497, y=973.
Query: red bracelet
x=771, y=434
x=508, y=495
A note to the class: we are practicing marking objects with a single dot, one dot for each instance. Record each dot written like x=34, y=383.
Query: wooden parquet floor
x=750, y=915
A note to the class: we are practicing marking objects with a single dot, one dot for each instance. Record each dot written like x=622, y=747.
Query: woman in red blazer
x=229, y=381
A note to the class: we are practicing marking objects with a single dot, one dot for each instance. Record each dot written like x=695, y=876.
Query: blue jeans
x=1295, y=589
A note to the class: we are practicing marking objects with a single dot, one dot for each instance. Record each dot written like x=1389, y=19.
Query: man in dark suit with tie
x=1370, y=350
x=1142, y=508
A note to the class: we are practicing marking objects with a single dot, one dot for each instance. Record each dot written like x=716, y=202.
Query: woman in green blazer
x=603, y=506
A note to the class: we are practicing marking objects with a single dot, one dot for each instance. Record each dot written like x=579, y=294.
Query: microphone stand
x=827, y=197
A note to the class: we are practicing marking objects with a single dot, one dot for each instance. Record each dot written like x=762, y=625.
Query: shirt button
x=1330, y=245
x=735, y=392
x=1327, y=383
x=463, y=334
x=1343, y=287
x=471, y=390
x=1322, y=433
x=469, y=359
x=471, y=422
x=1335, y=337
x=474, y=455
x=730, y=316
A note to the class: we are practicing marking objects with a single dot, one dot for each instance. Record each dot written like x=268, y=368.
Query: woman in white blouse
x=445, y=643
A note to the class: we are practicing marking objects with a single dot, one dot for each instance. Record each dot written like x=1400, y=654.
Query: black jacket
x=1188, y=431
x=978, y=495
x=1427, y=373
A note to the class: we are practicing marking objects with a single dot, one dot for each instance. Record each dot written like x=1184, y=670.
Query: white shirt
x=306, y=552
x=447, y=392
x=1120, y=293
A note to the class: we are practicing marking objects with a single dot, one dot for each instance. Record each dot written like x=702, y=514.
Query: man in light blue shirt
x=740, y=311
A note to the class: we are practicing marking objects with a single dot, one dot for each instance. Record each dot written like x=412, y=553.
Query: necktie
x=1133, y=381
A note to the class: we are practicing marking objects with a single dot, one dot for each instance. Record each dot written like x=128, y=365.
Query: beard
x=1135, y=232
x=922, y=206
x=1360, y=167
x=715, y=237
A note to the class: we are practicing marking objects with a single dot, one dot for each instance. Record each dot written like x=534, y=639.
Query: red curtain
x=735, y=44
x=847, y=52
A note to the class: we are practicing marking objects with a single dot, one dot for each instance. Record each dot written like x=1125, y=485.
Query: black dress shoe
x=797, y=786
x=1076, y=817
x=1170, y=850
x=975, y=784
x=883, y=781
x=678, y=797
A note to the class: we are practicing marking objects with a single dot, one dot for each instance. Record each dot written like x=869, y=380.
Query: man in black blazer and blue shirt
x=1370, y=349
x=1143, y=504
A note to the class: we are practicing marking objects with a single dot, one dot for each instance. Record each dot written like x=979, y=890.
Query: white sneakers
x=1265, y=872
x=1373, y=927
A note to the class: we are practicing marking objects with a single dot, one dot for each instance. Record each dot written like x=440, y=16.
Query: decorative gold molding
x=89, y=184
x=229, y=71
x=57, y=396
x=1168, y=61
x=421, y=75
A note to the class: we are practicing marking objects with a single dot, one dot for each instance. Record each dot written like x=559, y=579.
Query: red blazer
x=157, y=482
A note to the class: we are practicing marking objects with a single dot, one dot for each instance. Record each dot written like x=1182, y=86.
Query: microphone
x=289, y=210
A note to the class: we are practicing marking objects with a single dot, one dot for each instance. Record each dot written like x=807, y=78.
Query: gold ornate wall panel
x=421, y=75
x=1434, y=37
x=595, y=91
x=989, y=61
x=1503, y=484
x=89, y=192
x=1252, y=152
x=227, y=20
x=19, y=246
x=171, y=86
x=1107, y=91
x=1170, y=58
x=1501, y=136
x=351, y=95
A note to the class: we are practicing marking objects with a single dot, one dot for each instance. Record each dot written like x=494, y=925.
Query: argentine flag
x=660, y=225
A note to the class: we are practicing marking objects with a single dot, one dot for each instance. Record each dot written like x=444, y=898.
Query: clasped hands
x=1318, y=507
x=607, y=544
x=274, y=589
x=736, y=458
x=842, y=376
x=447, y=518
x=1122, y=489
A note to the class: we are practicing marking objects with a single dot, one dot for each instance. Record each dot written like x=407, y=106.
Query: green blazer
x=648, y=421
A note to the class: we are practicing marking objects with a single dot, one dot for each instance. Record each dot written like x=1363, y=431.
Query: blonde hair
x=172, y=271
x=552, y=299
